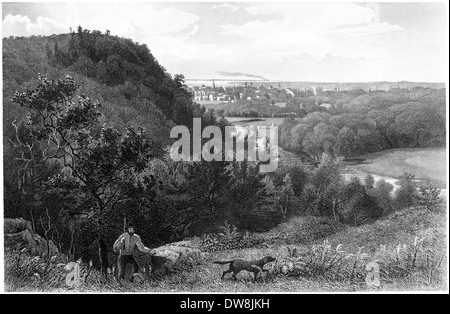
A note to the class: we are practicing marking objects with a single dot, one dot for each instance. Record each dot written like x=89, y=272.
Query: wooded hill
x=132, y=87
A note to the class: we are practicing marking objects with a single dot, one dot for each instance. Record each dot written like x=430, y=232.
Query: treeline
x=370, y=123
x=263, y=108
x=299, y=105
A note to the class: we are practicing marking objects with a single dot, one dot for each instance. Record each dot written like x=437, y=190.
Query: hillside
x=132, y=87
x=308, y=266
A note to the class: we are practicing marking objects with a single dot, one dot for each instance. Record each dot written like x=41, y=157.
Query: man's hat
x=130, y=225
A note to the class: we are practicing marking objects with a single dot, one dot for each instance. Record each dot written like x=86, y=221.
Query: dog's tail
x=222, y=262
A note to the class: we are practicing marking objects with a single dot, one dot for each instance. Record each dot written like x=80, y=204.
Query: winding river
x=349, y=171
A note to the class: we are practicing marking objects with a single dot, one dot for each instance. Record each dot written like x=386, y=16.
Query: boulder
x=18, y=233
x=170, y=257
x=15, y=225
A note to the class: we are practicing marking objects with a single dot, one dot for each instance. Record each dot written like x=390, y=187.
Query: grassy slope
x=397, y=229
x=425, y=164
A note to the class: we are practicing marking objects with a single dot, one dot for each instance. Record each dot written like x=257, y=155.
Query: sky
x=295, y=41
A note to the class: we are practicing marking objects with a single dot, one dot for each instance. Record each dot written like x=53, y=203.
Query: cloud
x=166, y=30
x=18, y=25
x=315, y=28
x=232, y=8
x=225, y=74
x=131, y=20
x=194, y=30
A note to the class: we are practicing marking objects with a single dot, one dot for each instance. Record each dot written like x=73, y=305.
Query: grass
x=312, y=255
x=426, y=164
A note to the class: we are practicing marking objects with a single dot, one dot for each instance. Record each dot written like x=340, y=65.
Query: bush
x=228, y=239
x=428, y=196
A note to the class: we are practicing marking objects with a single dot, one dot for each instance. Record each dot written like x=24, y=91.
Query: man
x=124, y=246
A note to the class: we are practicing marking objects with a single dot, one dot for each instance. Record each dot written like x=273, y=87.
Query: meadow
x=426, y=164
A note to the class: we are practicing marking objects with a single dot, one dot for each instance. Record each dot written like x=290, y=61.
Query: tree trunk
x=334, y=211
x=103, y=256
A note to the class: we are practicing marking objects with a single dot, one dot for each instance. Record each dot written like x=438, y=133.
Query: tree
x=369, y=182
x=406, y=194
x=100, y=168
x=322, y=195
x=382, y=193
x=347, y=141
x=357, y=206
x=282, y=196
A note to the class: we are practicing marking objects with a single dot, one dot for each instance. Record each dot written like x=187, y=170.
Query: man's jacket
x=125, y=244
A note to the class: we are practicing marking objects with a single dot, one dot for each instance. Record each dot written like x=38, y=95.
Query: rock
x=15, y=225
x=162, y=260
x=18, y=232
x=169, y=257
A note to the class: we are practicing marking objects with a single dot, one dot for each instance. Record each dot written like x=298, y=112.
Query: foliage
x=101, y=169
x=406, y=195
x=282, y=196
x=356, y=205
x=369, y=123
x=334, y=264
x=428, y=196
x=382, y=193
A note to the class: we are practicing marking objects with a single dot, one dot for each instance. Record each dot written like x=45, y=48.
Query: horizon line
x=321, y=82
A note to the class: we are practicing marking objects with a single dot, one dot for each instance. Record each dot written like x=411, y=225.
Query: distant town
x=265, y=98
x=278, y=93
x=248, y=91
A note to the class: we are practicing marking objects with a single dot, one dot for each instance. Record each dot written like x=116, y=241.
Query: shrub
x=228, y=239
x=428, y=196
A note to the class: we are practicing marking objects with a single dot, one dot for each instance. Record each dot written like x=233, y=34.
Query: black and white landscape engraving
x=225, y=147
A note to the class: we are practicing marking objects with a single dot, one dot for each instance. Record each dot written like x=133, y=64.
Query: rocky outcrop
x=14, y=225
x=19, y=233
x=168, y=258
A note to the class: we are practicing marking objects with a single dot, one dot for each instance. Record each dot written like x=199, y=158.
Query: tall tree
x=100, y=168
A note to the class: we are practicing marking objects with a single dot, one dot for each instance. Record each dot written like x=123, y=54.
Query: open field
x=426, y=164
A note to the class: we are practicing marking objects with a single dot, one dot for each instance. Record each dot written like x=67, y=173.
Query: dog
x=237, y=265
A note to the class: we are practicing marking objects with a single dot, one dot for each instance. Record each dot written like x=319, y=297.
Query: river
x=349, y=170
